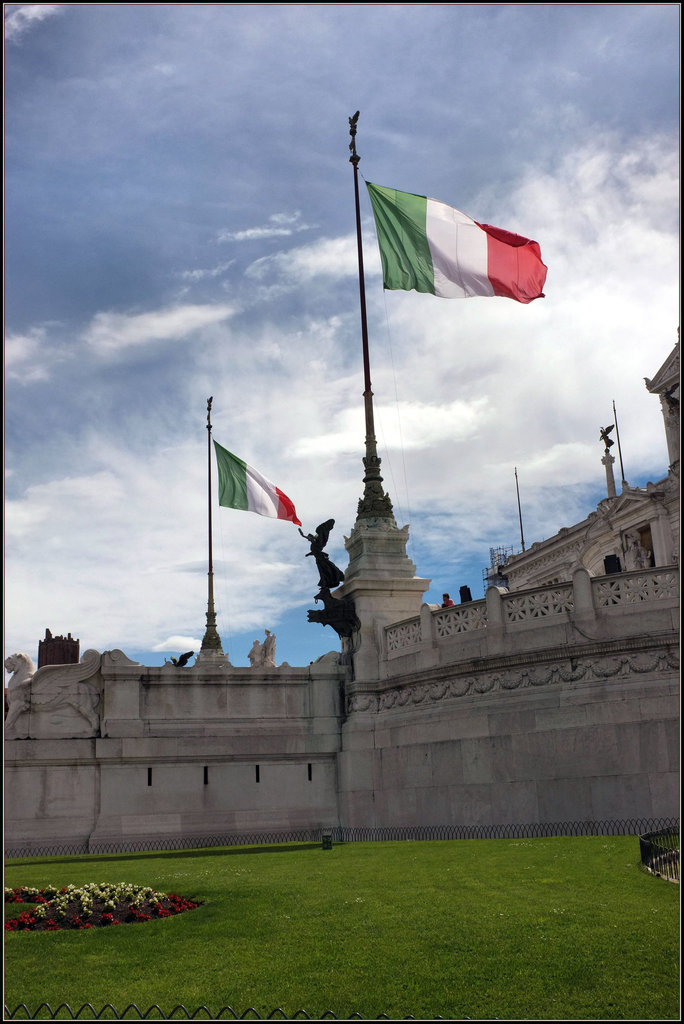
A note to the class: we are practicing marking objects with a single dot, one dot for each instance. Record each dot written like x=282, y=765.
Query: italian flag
x=428, y=246
x=245, y=488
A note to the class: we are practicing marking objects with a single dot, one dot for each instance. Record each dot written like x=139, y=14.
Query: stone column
x=608, y=461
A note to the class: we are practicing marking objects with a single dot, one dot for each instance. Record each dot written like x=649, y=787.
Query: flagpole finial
x=354, y=158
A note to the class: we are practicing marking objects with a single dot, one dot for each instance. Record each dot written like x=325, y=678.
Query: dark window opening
x=257, y=772
x=149, y=776
x=310, y=770
x=206, y=775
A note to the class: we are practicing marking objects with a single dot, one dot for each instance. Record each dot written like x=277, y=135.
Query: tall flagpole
x=211, y=644
x=617, y=435
x=522, y=539
x=375, y=503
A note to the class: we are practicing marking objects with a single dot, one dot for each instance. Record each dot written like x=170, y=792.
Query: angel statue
x=605, y=431
x=330, y=575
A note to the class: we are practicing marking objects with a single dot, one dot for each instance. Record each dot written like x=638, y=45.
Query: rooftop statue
x=330, y=575
x=262, y=655
x=18, y=693
x=605, y=431
x=338, y=612
x=182, y=661
x=55, y=701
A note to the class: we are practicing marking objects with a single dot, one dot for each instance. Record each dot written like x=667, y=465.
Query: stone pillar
x=608, y=461
x=495, y=621
x=661, y=535
x=381, y=581
x=583, y=597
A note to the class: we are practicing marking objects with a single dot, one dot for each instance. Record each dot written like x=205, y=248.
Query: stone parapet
x=525, y=621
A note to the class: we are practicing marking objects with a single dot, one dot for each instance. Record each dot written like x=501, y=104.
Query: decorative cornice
x=584, y=662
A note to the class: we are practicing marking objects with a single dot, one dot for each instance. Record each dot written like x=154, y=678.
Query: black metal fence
x=343, y=834
x=660, y=852
x=179, y=1012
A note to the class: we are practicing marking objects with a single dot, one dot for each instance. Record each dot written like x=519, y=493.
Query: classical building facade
x=553, y=699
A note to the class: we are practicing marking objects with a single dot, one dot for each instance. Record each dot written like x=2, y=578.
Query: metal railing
x=179, y=1012
x=660, y=852
x=345, y=834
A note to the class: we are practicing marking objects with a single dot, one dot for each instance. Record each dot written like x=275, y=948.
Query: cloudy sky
x=180, y=223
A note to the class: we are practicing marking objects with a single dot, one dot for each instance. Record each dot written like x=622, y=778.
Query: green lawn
x=557, y=928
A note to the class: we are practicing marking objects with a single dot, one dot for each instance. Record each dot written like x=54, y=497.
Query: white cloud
x=26, y=357
x=114, y=331
x=334, y=257
x=20, y=17
x=406, y=425
x=182, y=644
x=280, y=225
x=208, y=272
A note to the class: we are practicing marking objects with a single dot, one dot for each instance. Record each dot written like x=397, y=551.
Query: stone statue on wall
x=330, y=575
x=181, y=661
x=55, y=701
x=18, y=691
x=605, y=431
x=262, y=655
x=636, y=556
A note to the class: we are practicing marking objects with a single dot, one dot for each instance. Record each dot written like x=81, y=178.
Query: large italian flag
x=428, y=246
x=241, y=486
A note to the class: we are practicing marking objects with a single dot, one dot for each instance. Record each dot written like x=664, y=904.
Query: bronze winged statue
x=605, y=431
x=330, y=575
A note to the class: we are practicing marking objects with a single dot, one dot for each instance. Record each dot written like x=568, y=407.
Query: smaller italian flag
x=245, y=488
x=428, y=246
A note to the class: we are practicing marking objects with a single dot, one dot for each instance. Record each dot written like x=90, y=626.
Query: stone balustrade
x=583, y=599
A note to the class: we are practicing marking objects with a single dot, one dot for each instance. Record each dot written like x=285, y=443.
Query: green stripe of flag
x=400, y=221
x=232, y=479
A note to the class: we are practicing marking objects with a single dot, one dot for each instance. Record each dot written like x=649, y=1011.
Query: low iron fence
x=132, y=1012
x=344, y=834
x=660, y=852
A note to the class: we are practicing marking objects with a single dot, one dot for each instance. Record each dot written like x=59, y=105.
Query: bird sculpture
x=182, y=660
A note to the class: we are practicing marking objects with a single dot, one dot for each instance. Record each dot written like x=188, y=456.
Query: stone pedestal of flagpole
x=212, y=659
x=381, y=581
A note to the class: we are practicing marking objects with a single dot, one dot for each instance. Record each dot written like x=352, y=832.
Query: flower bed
x=91, y=906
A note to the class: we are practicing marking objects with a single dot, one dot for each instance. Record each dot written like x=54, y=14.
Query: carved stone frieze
x=572, y=670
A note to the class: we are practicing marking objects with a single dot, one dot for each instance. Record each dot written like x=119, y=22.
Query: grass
x=538, y=929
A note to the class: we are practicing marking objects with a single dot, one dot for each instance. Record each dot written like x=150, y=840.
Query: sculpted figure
x=18, y=693
x=263, y=654
x=330, y=575
x=182, y=661
x=605, y=431
x=636, y=556
x=63, y=700
x=268, y=649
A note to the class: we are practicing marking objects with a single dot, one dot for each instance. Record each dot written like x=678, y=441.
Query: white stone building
x=554, y=701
